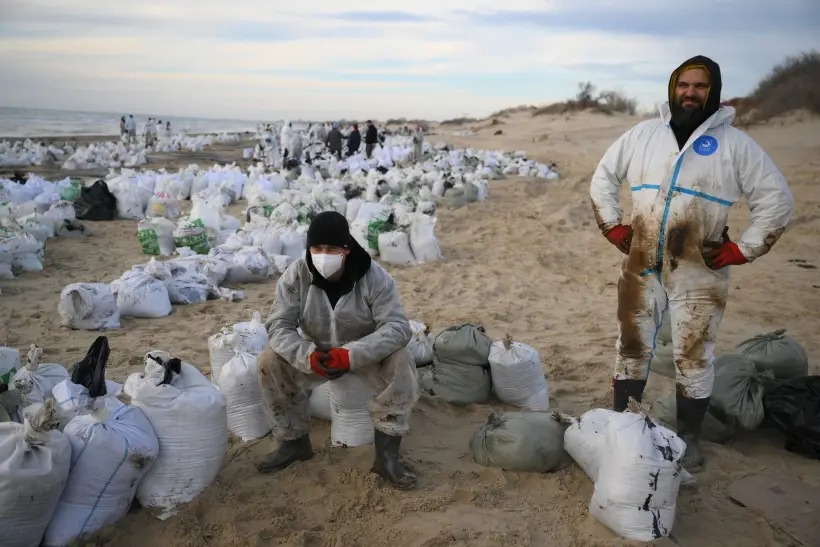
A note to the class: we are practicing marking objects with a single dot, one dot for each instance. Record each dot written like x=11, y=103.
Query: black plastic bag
x=794, y=405
x=90, y=372
x=96, y=202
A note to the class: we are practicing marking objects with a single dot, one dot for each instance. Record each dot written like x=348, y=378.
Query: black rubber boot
x=296, y=450
x=690, y=418
x=623, y=390
x=387, y=464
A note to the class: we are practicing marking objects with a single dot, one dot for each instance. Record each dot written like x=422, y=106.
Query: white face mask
x=327, y=264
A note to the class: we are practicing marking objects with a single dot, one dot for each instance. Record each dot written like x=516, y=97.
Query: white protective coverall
x=369, y=322
x=284, y=137
x=681, y=199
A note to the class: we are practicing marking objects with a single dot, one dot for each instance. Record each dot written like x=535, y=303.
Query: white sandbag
x=38, y=226
x=246, y=337
x=162, y=205
x=420, y=345
x=293, y=243
x=423, y=240
x=34, y=466
x=61, y=211
x=585, y=438
x=141, y=295
x=9, y=364
x=156, y=236
x=351, y=424
x=637, y=488
x=88, y=306
x=72, y=400
x=239, y=383
x=190, y=232
x=113, y=448
x=131, y=200
x=250, y=265
x=209, y=212
x=5, y=271
x=394, y=248
x=268, y=240
x=777, y=352
x=520, y=441
x=518, y=377
x=190, y=419
x=352, y=211
x=371, y=220
x=39, y=378
x=319, y=403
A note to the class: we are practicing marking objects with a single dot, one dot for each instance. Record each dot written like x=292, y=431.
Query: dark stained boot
x=690, y=418
x=296, y=450
x=623, y=390
x=387, y=464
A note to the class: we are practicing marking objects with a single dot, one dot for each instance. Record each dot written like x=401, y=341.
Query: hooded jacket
x=372, y=135
x=712, y=104
x=688, y=190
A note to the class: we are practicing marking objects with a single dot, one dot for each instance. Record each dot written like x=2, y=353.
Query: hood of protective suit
x=683, y=126
x=331, y=228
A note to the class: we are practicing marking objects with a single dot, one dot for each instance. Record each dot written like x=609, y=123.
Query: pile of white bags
x=520, y=441
x=246, y=337
x=640, y=472
x=351, y=424
x=239, y=383
x=518, y=378
x=19, y=252
x=113, y=447
x=34, y=465
x=89, y=306
x=38, y=379
x=189, y=417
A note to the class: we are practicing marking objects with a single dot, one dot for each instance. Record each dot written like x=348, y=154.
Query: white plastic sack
x=320, y=403
x=518, y=377
x=72, y=400
x=239, y=383
x=637, y=488
x=89, y=306
x=190, y=419
x=112, y=448
x=9, y=363
x=423, y=240
x=60, y=212
x=293, y=244
x=585, y=438
x=394, y=248
x=247, y=337
x=250, y=265
x=39, y=378
x=141, y=295
x=34, y=465
x=162, y=205
x=351, y=424
x=420, y=345
x=156, y=236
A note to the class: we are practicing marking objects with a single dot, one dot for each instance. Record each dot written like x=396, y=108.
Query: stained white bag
x=239, y=383
x=34, y=465
x=112, y=448
x=518, y=377
x=637, y=488
x=72, y=400
x=89, y=306
x=585, y=438
x=250, y=265
x=142, y=295
x=320, y=403
x=190, y=419
x=9, y=364
x=423, y=240
x=39, y=378
x=162, y=205
x=351, y=424
x=394, y=248
x=420, y=345
x=247, y=337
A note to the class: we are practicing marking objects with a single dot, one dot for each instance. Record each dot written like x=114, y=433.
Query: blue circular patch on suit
x=705, y=146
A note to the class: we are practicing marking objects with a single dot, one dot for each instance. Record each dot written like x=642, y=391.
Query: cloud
x=434, y=59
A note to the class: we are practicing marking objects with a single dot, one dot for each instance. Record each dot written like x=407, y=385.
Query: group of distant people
x=128, y=130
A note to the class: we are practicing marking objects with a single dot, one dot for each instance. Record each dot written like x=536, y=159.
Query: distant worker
x=337, y=312
x=295, y=151
x=334, y=141
x=168, y=129
x=354, y=140
x=418, y=143
x=122, y=127
x=131, y=129
x=687, y=169
x=371, y=139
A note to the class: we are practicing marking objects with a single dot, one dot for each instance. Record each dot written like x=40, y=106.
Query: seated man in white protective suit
x=685, y=170
x=349, y=310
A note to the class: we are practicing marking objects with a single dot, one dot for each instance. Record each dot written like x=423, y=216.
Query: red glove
x=720, y=255
x=621, y=237
x=331, y=365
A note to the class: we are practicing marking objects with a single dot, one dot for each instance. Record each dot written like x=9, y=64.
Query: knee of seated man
x=270, y=361
x=400, y=358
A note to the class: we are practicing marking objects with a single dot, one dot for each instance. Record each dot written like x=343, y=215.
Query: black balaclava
x=684, y=122
x=331, y=228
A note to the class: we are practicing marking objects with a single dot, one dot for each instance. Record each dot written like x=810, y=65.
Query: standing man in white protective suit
x=353, y=322
x=418, y=143
x=284, y=138
x=685, y=171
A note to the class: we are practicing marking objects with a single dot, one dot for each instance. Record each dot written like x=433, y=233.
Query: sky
x=355, y=59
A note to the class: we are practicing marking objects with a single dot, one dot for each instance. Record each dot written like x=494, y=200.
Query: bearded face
x=691, y=92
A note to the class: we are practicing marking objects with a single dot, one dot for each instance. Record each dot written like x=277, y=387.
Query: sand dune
x=529, y=262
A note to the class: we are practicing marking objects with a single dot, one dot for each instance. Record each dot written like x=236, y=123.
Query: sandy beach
x=529, y=262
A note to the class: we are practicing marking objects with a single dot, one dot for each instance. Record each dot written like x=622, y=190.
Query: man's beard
x=687, y=117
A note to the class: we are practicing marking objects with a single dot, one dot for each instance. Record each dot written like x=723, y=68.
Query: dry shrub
x=792, y=85
x=459, y=121
x=605, y=102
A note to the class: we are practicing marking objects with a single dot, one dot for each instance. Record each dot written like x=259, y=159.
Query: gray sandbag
x=460, y=373
x=737, y=395
x=781, y=354
x=712, y=429
x=521, y=441
x=663, y=362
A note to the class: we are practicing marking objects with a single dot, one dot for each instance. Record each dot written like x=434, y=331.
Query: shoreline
x=104, y=138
